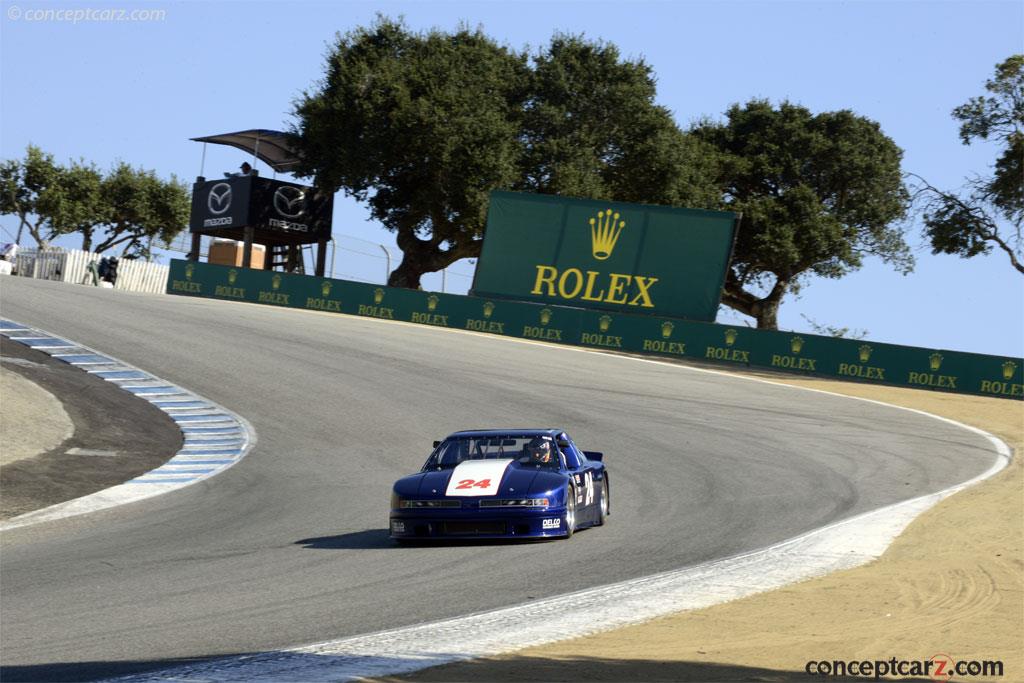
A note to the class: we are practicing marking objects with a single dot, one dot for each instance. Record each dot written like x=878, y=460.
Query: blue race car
x=502, y=483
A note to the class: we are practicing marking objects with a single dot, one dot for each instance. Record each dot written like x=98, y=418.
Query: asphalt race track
x=289, y=546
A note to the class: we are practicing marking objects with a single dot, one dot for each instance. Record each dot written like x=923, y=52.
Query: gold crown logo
x=189, y=269
x=604, y=233
x=432, y=302
x=1009, y=367
x=488, y=309
x=378, y=295
x=864, y=353
x=666, y=329
x=545, y=316
x=730, y=337
x=604, y=323
x=325, y=288
x=935, y=361
x=232, y=276
x=796, y=343
x=275, y=282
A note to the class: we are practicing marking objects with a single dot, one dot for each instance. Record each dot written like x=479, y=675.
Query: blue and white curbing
x=215, y=438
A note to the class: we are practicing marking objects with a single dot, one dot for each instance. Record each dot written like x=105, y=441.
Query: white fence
x=73, y=266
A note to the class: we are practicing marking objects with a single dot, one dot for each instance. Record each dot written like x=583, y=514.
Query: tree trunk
x=21, y=226
x=111, y=243
x=36, y=234
x=407, y=274
x=86, y=240
x=1014, y=261
x=425, y=256
x=765, y=311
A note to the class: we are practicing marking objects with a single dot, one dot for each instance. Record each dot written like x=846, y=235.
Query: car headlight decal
x=516, y=502
x=437, y=503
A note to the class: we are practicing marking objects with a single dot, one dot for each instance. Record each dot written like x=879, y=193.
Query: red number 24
x=470, y=483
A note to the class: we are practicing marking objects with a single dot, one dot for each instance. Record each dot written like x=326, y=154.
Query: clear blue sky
x=137, y=90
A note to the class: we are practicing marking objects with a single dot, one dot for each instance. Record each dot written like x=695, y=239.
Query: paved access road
x=289, y=546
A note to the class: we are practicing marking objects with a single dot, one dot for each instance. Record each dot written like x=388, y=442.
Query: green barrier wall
x=812, y=354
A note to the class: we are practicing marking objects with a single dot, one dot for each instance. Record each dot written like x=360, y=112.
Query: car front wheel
x=605, y=504
x=570, y=512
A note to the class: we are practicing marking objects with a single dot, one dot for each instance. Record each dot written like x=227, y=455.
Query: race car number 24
x=472, y=483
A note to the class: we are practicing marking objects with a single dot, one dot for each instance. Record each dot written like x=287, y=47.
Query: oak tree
x=989, y=211
x=140, y=209
x=818, y=193
x=422, y=126
x=129, y=207
x=48, y=198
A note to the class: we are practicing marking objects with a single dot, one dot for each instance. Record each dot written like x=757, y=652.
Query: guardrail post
x=387, y=254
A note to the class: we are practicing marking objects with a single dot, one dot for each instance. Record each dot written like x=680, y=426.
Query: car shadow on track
x=371, y=539
x=367, y=539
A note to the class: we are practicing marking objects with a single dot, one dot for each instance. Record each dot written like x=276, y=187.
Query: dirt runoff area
x=65, y=433
x=952, y=585
x=32, y=420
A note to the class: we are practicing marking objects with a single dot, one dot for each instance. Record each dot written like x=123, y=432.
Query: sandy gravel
x=953, y=583
x=32, y=420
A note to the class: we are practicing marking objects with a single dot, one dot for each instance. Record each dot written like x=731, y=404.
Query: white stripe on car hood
x=477, y=477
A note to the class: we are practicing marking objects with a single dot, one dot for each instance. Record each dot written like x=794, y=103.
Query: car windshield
x=533, y=451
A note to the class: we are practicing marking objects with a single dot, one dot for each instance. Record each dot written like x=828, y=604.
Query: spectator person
x=111, y=275
x=93, y=273
x=245, y=169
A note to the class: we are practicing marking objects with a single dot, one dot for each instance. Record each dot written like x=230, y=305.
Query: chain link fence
x=361, y=260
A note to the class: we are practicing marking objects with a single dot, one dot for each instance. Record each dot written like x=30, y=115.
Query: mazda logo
x=290, y=201
x=219, y=199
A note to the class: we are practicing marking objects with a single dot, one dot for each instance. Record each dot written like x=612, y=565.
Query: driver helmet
x=539, y=450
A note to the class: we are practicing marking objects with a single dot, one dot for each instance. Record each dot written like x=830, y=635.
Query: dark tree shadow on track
x=515, y=668
x=89, y=671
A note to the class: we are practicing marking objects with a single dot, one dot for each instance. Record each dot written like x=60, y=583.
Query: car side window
x=572, y=456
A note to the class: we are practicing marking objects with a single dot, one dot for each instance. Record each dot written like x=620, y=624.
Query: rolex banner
x=633, y=258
